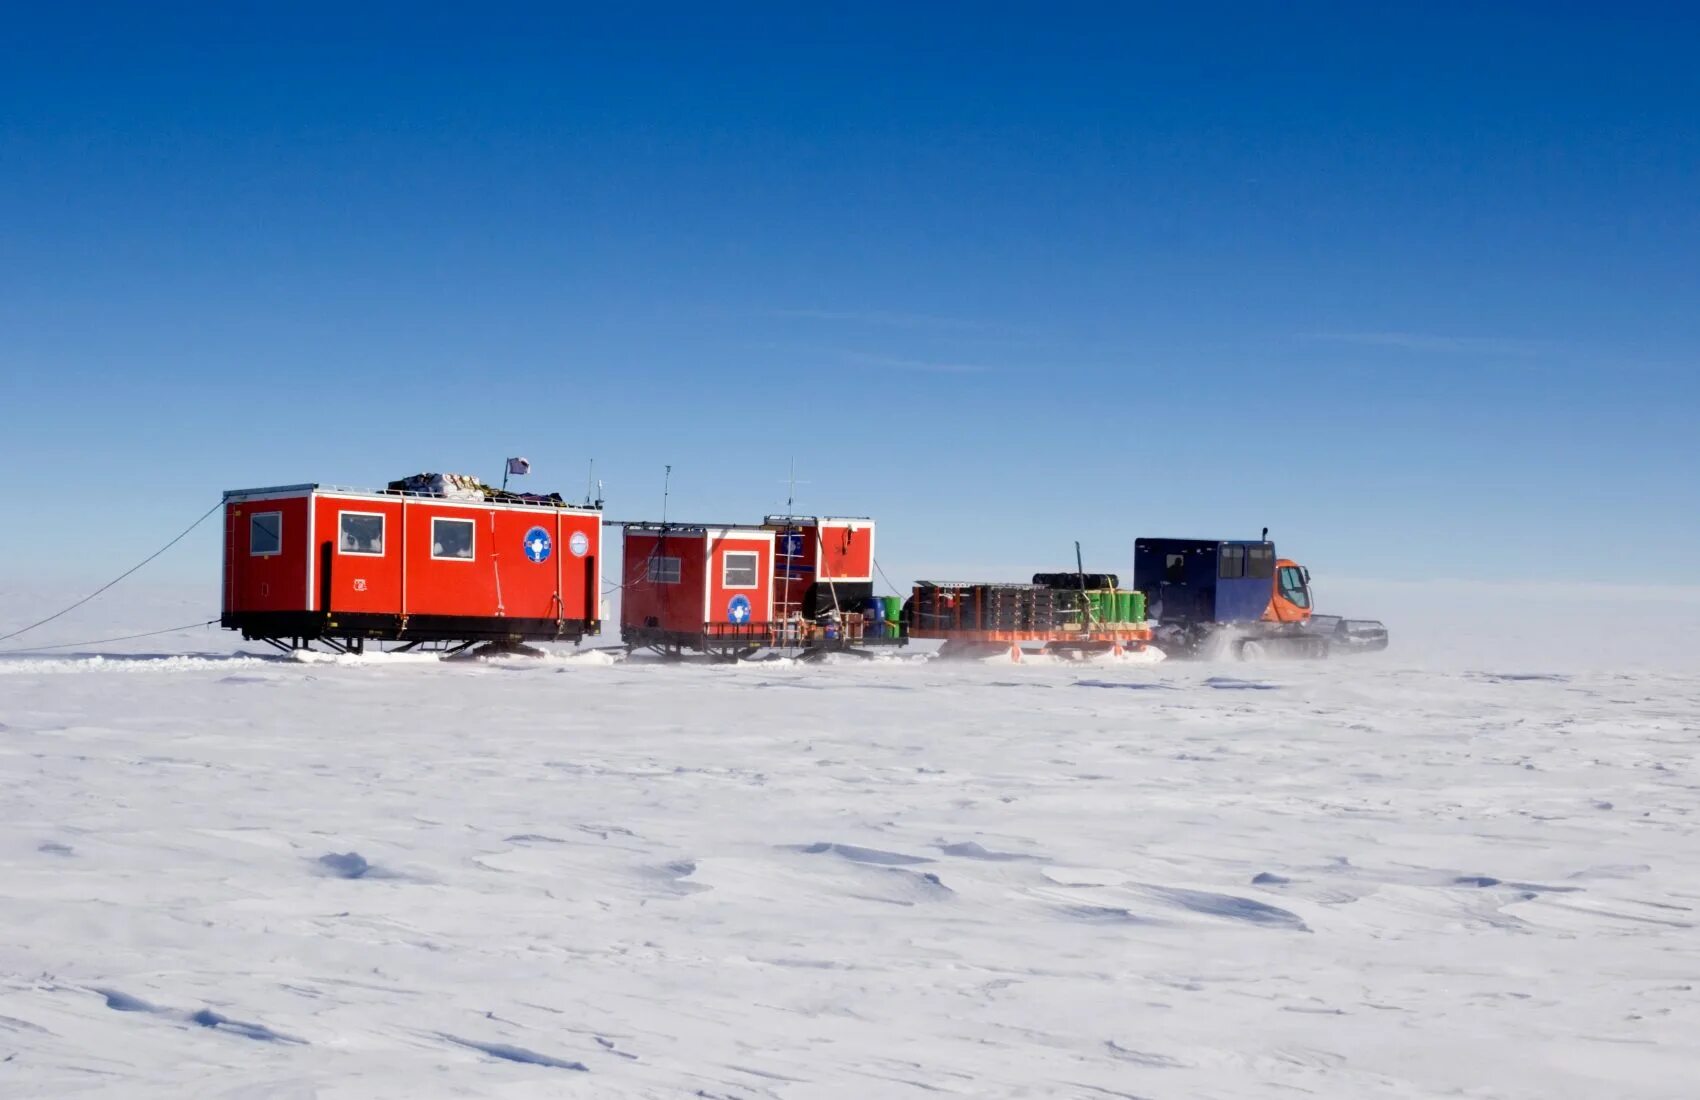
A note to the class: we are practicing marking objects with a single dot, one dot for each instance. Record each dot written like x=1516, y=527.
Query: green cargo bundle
x=1103, y=607
x=1100, y=608
x=1111, y=607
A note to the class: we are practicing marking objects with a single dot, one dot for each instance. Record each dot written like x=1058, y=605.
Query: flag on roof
x=519, y=465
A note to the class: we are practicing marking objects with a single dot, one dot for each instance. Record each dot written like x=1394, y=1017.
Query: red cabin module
x=697, y=587
x=822, y=565
x=306, y=562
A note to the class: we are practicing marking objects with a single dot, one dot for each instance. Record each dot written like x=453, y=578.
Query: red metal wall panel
x=579, y=559
x=275, y=582
x=668, y=606
x=847, y=550
x=360, y=580
x=449, y=586
x=759, y=595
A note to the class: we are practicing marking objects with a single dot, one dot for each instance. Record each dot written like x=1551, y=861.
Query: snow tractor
x=1236, y=598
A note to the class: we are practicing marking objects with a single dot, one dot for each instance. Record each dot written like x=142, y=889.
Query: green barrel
x=1103, y=607
x=893, y=609
x=1136, y=607
x=1124, y=606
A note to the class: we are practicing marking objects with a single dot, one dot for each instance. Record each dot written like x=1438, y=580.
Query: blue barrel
x=873, y=608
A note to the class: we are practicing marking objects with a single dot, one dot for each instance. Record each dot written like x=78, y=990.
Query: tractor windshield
x=1293, y=588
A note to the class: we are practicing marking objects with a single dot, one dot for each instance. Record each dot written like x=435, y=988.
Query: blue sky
x=1416, y=290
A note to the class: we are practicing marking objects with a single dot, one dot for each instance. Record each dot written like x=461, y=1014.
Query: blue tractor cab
x=1194, y=582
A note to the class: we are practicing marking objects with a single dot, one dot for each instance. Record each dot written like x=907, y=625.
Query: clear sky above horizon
x=1416, y=290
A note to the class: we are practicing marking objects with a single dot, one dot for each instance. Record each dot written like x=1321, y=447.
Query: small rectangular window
x=1233, y=563
x=451, y=539
x=1260, y=562
x=265, y=534
x=360, y=533
x=740, y=569
x=662, y=570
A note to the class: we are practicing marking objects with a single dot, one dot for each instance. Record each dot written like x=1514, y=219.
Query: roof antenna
x=791, y=493
x=666, y=487
x=588, y=478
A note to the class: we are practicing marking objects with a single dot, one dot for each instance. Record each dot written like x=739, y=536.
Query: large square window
x=1233, y=563
x=740, y=569
x=662, y=570
x=360, y=533
x=265, y=534
x=452, y=539
x=1260, y=562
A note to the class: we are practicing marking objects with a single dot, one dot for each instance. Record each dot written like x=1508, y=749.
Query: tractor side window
x=451, y=539
x=740, y=569
x=662, y=570
x=265, y=534
x=1293, y=586
x=1233, y=563
x=1260, y=562
x=360, y=533
x=1174, y=568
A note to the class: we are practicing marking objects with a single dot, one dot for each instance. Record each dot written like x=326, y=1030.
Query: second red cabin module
x=682, y=582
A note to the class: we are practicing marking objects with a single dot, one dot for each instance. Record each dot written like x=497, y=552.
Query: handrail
x=414, y=494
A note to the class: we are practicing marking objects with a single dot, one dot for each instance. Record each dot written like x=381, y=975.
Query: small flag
x=517, y=466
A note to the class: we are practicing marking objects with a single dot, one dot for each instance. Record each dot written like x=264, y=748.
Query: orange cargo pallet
x=1099, y=636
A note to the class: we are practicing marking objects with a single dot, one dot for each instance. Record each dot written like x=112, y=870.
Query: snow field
x=382, y=878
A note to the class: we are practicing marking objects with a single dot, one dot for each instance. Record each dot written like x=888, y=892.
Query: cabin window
x=1293, y=586
x=1260, y=562
x=1233, y=563
x=1174, y=568
x=265, y=534
x=360, y=533
x=451, y=539
x=662, y=570
x=740, y=569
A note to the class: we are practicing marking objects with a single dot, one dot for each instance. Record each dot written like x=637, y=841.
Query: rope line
x=886, y=579
x=104, y=641
x=115, y=580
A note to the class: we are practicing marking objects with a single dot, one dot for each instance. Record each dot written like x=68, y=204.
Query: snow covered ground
x=1469, y=873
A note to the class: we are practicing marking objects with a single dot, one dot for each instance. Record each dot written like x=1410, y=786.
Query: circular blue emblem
x=738, y=611
x=537, y=544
